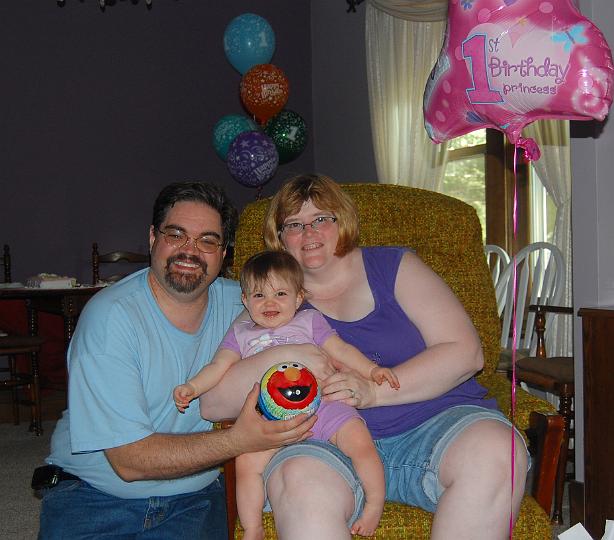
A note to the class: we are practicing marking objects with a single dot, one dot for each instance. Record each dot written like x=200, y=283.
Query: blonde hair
x=326, y=195
x=257, y=271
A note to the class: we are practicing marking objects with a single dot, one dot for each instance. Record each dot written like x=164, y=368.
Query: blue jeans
x=75, y=510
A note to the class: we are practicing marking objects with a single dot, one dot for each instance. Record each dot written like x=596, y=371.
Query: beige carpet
x=21, y=452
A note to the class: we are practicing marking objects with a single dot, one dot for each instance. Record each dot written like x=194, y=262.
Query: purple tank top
x=388, y=337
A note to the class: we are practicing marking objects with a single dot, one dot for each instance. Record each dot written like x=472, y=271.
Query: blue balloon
x=227, y=128
x=248, y=40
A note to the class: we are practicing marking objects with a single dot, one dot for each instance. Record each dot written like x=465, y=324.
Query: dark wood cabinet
x=598, y=372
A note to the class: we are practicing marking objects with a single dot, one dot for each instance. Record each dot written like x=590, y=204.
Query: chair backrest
x=445, y=233
x=6, y=262
x=497, y=260
x=114, y=257
x=540, y=278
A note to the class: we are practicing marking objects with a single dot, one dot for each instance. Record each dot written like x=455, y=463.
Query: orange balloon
x=264, y=91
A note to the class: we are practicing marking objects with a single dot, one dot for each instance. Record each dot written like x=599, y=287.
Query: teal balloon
x=289, y=133
x=248, y=40
x=226, y=130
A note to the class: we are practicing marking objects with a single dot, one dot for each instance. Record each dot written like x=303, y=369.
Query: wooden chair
x=114, y=257
x=446, y=234
x=498, y=261
x=12, y=345
x=556, y=376
x=540, y=277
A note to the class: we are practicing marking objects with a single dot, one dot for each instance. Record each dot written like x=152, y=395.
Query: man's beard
x=184, y=283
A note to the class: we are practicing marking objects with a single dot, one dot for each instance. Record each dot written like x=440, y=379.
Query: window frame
x=499, y=190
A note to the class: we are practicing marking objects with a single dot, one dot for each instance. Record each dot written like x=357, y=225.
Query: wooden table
x=67, y=303
x=598, y=371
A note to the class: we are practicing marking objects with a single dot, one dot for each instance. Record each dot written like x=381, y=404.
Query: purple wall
x=341, y=118
x=102, y=109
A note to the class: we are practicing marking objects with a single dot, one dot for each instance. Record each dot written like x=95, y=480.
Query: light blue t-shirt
x=124, y=360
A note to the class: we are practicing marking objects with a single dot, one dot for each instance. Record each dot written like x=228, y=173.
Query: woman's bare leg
x=476, y=474
x=310, y=500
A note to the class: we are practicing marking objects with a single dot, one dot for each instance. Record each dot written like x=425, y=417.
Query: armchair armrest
x=230, y=483
x=546, y=436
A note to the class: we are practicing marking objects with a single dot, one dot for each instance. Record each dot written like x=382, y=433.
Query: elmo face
x=292, y=386
x=288, y=389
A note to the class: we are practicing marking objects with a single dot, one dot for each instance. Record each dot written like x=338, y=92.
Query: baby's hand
x=183, y=394
x=379, y=374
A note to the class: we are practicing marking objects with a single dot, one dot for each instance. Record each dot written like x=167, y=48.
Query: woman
x=444, y=447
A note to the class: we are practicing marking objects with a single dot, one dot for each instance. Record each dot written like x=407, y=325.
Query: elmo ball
x=288, y=389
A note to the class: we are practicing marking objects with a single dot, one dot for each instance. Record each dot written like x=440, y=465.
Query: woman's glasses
x=322, y=223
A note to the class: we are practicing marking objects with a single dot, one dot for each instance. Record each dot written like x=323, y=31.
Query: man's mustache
x=186, y=258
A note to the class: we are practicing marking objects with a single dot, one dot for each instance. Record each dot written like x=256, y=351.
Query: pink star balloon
x=507, y=63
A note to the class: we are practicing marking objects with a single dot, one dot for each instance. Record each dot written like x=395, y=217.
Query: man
x=128, y=464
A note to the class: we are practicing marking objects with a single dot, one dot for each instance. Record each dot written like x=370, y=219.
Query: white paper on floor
x=578, y=532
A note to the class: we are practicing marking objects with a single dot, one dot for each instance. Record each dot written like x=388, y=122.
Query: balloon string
x=514, y=337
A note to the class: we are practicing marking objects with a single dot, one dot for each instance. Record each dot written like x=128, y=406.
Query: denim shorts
x=412, y=459
x=75, y=509
x=329, y=454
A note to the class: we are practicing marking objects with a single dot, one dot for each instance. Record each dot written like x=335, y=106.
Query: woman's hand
x=350, y=387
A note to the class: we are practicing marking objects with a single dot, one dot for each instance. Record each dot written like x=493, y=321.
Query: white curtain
x=400, y=55
x=554, y=170
x=414, y=10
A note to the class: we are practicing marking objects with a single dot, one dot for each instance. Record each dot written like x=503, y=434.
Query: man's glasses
x=176, y=238
x=322, y=223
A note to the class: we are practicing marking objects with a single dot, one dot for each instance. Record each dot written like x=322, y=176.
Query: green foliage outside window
x=464, y=178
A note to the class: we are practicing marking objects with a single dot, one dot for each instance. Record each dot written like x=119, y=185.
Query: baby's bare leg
x=250, y=492
x=355, y=441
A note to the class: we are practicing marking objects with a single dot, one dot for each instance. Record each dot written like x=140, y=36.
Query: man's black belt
x=49, y=476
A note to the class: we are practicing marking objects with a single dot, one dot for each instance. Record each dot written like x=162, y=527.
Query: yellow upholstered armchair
x=446, y=234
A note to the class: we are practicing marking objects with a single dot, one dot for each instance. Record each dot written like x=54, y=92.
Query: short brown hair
x=257, y=270
x=326, y=195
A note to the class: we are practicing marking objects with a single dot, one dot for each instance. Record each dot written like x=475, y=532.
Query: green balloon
x=289, y=133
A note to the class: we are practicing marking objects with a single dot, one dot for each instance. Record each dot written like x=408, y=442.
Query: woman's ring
x=352, y=393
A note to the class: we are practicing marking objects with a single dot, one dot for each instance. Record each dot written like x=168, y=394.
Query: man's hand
x=252, y=432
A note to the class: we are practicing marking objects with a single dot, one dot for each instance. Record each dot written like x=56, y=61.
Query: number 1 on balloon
x=474, y=49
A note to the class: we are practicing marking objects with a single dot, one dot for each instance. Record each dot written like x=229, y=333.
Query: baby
x=272, y=292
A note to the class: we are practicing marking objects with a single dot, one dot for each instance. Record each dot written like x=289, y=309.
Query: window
x=480, y=171
x=465, y=176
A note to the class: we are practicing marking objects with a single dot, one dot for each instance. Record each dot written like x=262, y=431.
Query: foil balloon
x=507, y=63
x=289, y=133
x=288, y=389
x=252, y=158
x=248, y=40
x=226, y=129
x=264, y=91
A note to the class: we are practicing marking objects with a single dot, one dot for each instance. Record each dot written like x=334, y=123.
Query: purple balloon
x=252, y=158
